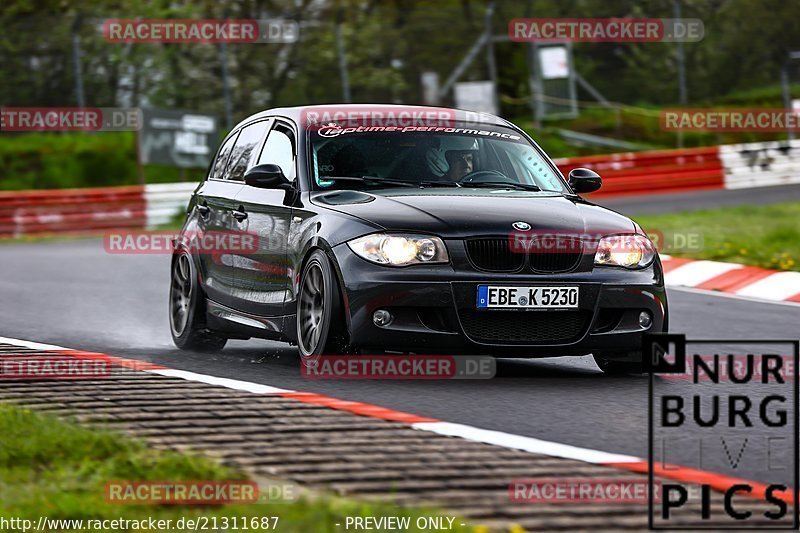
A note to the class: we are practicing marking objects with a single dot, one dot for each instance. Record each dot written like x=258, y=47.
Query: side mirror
x=584, y=180
x=267, y=176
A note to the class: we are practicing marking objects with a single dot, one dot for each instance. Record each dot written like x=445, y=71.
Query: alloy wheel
x=180, y=294
x=312, y=308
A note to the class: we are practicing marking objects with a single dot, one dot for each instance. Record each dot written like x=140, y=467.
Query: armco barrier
x=761, y=164
x=652, y=172
x=731, y=167
x=166, y=200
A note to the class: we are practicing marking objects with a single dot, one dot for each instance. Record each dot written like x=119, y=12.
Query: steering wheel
x=482, y=176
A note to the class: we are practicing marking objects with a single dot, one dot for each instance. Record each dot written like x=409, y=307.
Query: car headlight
x=629, y=251
x=400, y=250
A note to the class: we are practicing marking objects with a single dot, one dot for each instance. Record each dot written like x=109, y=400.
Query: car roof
x=296, y=113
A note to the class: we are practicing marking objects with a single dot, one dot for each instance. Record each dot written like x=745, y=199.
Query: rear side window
x=245, y=151
x=221, y=163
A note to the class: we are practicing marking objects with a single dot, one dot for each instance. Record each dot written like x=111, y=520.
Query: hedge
x=70, y=160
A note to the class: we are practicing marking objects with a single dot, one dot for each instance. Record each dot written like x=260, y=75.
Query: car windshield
x=460, y=156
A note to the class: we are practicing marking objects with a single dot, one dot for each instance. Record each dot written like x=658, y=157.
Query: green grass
x=56, y=468
x=764, y=236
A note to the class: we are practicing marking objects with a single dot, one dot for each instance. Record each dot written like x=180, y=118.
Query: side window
x=222, y=158
x=245, y=150
x=279, y=150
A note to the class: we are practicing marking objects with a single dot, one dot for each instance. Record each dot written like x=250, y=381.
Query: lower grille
x=515, y=327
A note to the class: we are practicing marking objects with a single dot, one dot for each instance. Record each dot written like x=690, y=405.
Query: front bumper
x=434, y=310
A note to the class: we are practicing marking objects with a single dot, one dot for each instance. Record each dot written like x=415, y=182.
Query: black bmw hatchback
x=366, y=229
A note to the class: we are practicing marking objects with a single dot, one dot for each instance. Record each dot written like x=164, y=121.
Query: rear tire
x=615, y=368
x=320, y=315
x=187, y=309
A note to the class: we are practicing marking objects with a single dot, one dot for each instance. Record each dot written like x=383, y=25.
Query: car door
x=214, y=204
x=262, y=275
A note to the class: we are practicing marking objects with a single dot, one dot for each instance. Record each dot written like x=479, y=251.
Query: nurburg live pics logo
x=738, y=421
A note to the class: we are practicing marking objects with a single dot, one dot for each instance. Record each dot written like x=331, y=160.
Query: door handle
x=239, y=214
x=203, y=209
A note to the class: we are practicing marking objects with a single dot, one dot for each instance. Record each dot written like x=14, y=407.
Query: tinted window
x=245, y=150
x=279, y=150
x=222, y=159
x=442, y=154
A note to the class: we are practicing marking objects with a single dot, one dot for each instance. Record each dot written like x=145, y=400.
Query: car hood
x=471, y=212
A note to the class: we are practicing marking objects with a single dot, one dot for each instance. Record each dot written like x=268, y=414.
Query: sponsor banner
x=178, y=138
x=730, y=120
x=606, y=30
x=582, y=490
x=335, y=130
x=53, y=367
x=198, y=242
x=70, y=119
x=200, y=31
x=398, y=367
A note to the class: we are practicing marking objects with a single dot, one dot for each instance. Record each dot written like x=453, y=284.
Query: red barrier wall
x=659, y=171
x=71, y=210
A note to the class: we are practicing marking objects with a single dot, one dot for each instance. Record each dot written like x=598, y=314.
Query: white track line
x=32, y=345
x=235, y=384
x=521, y=442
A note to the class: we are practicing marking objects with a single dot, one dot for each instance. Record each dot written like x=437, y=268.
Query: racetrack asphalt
x=74, y=294
x=653, y=204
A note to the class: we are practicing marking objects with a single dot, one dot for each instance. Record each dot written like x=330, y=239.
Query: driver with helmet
x=454, y=159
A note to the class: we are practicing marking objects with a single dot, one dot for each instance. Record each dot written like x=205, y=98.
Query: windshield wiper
x=499, y=184
x=439, y=183
x=368, y=179
x=402, y=183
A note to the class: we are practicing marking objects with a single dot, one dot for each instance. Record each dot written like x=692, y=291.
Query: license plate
x=499, y=297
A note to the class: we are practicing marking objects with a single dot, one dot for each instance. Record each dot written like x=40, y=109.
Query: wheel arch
x=323, y=246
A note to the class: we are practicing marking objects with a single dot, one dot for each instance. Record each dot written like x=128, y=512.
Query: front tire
x=187, y=309
x=320, y=319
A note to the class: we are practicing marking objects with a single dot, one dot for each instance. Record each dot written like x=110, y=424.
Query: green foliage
x=764, y=236
x=70, y=160
x=51, y=160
